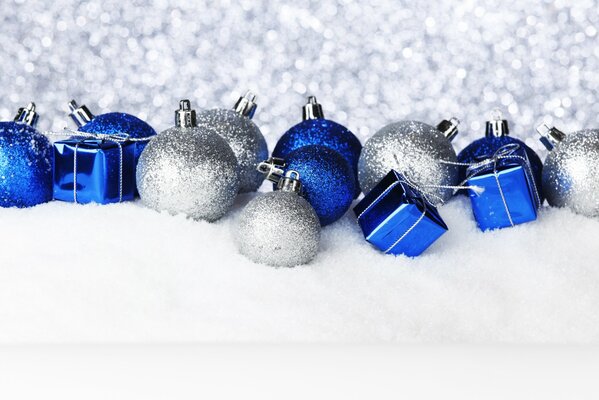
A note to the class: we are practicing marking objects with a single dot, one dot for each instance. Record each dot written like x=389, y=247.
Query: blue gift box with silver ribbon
x=94, y=168
x=510, y=195
x=397, y=218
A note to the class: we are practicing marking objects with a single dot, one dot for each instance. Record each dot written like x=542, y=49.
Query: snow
x=73, y=273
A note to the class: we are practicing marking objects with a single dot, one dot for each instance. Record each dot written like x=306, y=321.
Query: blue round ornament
x=328, y=180
x=111, y=123
x=316, y=130
x=25, y=162
x=497, y=136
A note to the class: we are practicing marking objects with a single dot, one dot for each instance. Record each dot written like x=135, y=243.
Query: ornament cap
x=273, y=168
x=80, y=114
x=449, y=127
x=312, y=109
x=550, y=136
x=497, y=126
x=185, y=116
x=27, y=115
x=290, y=182
x=246, y=105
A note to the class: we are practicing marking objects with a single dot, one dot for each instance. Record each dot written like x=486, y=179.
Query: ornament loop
x=246, y=105
x=550, y=136
x=312, y=109
x=27, y=115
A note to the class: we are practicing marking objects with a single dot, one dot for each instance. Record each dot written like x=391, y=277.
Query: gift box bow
x=508, y=156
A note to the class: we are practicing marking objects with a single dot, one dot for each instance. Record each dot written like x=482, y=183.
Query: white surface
x=298, y=372
x=126, y=273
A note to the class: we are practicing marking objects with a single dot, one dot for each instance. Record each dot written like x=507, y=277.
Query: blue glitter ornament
x=497, y=136
x=25, y=162
x=317, y=130
x=111, y=123
x=328, y=180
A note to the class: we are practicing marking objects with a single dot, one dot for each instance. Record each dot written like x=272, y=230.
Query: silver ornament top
x=185, y=116
x=27, y=115
x=449, y=128
x=290, y=182
x=272, y=168
x=246, y=105
x=497, y=126
x=312, y=109
x=550, y=136
x=80, y=114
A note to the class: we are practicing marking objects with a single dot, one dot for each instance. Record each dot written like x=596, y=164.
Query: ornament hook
x=27, y=115
x=246, y=105
x=312, y=109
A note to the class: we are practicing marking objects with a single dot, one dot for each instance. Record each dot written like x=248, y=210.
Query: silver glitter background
x=369, y=63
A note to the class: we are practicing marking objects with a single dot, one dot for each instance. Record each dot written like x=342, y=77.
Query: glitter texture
x=327, y=178
x=25, y=166
x=190, y=171
x=279, y=229
x=245, y=140
x=413, y=149
x=571, y=173
x=486, y=147
x=114, y=122
x=321, y=132
x=375, y=62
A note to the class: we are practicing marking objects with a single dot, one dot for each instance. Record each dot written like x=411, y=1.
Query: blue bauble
x=320, y=131
x=328, y=180
x=115, y=122
x=25, y=166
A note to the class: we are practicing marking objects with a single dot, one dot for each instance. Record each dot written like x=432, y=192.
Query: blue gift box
x=397, y=218
x=104, y=170
x=510, y=196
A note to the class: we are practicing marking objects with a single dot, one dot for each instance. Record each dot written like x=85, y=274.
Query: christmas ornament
x=244, y=137
x=279, y=228
x=94, y=168
x=111, y=123
x=25, y=161
x=328, y=180
x=187, y=169
x=507, y=193
x=497, y=136
x=397, y=218
x=315, y=129
x=571, y=170
x=416, y=151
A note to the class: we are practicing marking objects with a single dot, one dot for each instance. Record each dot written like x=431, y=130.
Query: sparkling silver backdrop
x=369, y=63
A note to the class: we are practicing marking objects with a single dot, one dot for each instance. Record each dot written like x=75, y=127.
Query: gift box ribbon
x=509, y=155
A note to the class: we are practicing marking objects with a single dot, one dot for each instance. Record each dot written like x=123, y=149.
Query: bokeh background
x=369, y=63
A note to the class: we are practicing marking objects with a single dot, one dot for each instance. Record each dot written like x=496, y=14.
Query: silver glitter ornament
x=188, y=169
x=415, y=150
x=244, y=137
x=571, y=170
x=279, y=228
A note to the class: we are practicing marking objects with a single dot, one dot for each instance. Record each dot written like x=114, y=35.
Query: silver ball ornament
x=571, y=170
x=187, y=169
x=415, y=150
x=279, y=229
x=244, y=137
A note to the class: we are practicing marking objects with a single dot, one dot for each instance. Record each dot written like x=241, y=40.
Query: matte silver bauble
x=244, y=137
x=415, y=150
x=279, y=229
x=187, y=169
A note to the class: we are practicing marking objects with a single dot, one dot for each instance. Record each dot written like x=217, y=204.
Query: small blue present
x=510, y=195
x=94, y=170
x=397, y=218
